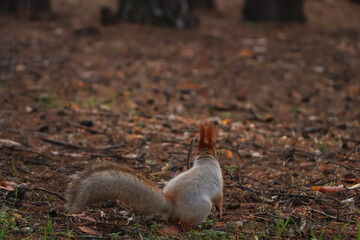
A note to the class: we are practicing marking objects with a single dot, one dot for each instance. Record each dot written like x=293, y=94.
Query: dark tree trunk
x=274, y=10
x=25, y=8
x=161, y=12
x=202, y=4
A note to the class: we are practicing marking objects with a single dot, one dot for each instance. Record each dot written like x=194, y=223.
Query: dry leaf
x=75, y=106
x=89, y=230
x=328, y=189
x=356, y=186
x=229, y=154
x=226, y=122
x=169, y=231
x=246, y=53
x=351, y=180
x=8, y=143
x=9, y=186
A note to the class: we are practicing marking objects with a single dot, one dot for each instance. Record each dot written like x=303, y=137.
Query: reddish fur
x=209, y=133
x=171, y=197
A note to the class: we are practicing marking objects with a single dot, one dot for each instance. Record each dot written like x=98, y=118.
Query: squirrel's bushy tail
x=112, y=182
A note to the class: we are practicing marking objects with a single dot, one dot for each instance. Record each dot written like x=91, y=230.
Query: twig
x=239, y=184
x=350, y=140
x=329, y=216
x=344, y=166
x=91, y=130
x=140, y=235
x=57, y=142
x=90, y=237
x=189, y=153
x=50, y=192
x=293, y=195
x=243, y=176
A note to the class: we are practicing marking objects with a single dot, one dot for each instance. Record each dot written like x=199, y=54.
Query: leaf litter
x=284, y=99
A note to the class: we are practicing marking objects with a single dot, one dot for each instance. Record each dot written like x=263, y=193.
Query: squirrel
x=186, y=199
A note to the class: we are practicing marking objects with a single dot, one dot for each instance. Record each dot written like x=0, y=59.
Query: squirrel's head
x=207, y=141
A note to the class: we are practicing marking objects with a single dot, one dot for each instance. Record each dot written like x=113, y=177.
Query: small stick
x=350, y=140
x=56, y=142
x=91, y=130
x=140, y=235
x=189, y=153
x=50, y=192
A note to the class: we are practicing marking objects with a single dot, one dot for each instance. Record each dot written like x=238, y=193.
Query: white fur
x=195, y=189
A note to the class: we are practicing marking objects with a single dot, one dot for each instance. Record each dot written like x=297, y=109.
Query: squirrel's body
x=186, y=198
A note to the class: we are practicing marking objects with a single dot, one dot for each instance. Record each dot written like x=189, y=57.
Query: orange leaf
x=229, y=154
x=226, y=122
x=246, y=53
x=79, y=84
x=75, y=106
x=328, y=189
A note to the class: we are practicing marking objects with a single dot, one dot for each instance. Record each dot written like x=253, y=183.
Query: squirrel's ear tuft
x=210, y=134
x=201, y=144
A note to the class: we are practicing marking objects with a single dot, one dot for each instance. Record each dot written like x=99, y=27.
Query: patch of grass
x=48, y=100
x=293, y=109
x=206, y=232
x=210, y=234
x=321, y=147
x=48, y=232
x=8, y=225
x=116, y=235
x=90, y=103
x=230, y=168
x=227, y=114
x=338, y=237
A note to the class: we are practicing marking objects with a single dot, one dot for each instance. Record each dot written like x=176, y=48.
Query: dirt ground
x=285, y=99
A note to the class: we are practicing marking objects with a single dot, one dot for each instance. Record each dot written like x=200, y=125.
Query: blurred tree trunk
x=25, y=8
x=274, y=10
x=201, y=4
x=161, y=12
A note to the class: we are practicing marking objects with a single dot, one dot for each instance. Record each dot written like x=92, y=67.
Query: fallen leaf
x=226, y=122
x=79, y=84
x=75, y=106
x=268, y=118
x=83, y=216
x=169, y=231
x=246, y=53
x=351, y=180
x=9, y=186
x=328, y=189
x=356, y=186
x=229, y=154
x=89, y=230
x=8, y=143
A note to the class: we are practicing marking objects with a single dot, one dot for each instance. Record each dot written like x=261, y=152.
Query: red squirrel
x=187, y=198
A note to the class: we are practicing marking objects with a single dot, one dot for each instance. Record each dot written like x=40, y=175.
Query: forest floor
x=285, y=99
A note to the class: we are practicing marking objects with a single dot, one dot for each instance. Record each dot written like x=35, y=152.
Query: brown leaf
x=351, y=180
x=169, y=231
x=89, y=230
x=9, y=186
x=8, y=143
x=246, y=53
